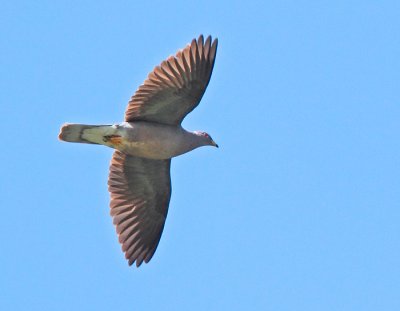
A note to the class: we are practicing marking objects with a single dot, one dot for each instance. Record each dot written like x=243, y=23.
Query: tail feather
x=77, y=133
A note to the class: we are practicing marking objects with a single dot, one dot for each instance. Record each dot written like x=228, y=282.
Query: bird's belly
x=146, y=140
x=148, y=149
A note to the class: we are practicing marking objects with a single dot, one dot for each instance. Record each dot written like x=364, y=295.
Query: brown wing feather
x=174, y=88
x=140, y=192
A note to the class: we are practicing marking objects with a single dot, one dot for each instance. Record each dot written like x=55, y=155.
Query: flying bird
x=139, y=178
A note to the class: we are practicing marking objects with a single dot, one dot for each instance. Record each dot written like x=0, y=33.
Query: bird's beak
x=213, y=143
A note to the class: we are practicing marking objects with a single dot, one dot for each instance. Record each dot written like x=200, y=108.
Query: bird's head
x=206, y=139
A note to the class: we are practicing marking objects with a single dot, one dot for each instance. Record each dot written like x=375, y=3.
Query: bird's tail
x=82, y=133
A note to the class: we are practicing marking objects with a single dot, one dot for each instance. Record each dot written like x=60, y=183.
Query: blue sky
x=299, y=209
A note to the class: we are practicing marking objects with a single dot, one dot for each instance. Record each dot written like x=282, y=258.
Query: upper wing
x=174, y=88
x=140, y=192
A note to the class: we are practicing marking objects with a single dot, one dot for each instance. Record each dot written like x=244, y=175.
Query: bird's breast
x=149, y=140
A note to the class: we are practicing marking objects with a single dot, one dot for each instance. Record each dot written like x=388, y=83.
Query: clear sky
x=299, y=208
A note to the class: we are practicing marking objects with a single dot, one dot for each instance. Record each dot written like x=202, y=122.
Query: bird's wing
x=140, y=192
x=174, y=88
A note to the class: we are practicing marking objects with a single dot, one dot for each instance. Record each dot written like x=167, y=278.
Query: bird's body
x=139, y=179
x=141, y=139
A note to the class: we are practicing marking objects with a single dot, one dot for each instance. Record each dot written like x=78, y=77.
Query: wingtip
x=136, y=262
x=209, y=37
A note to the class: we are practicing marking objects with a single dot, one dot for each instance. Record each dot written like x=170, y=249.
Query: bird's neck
x=194, y=141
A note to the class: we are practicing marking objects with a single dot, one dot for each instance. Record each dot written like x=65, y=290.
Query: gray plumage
x=139, y=179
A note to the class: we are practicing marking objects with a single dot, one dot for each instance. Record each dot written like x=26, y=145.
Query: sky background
x=299, y=209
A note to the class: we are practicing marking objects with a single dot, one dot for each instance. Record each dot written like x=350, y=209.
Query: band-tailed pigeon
x=139, y=180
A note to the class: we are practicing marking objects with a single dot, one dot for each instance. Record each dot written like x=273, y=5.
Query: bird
x=139, y=178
